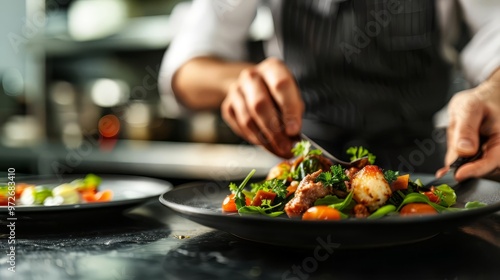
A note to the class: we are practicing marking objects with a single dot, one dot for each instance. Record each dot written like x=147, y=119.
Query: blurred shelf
x=136, y=34
x=146, y=33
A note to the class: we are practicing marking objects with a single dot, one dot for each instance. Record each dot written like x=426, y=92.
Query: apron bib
x=370, y=71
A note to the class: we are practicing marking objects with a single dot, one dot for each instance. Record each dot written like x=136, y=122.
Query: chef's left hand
x=474, y=113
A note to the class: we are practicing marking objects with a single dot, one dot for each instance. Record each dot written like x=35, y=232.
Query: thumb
x=465, y=122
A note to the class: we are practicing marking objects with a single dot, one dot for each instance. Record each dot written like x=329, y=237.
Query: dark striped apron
x=370, y=72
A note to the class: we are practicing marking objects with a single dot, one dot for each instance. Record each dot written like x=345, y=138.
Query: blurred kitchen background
x=78, y=94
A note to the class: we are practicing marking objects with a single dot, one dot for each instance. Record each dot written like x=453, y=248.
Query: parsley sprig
x=335, y=177
x=303, y=148
x=391, y=175
x=276, y=186
x=360, y=152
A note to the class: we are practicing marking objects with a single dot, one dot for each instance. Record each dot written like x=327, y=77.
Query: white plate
x=127, y=191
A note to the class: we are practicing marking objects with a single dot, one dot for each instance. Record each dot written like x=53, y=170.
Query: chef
x=349, y=73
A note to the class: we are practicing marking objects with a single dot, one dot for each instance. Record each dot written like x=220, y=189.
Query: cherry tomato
x=104, y=196
x=432, y=196
x=262, y=195
x=229, y=205
x=321, y=212
x=88, y=196
x=3, y=200
x=417, y=209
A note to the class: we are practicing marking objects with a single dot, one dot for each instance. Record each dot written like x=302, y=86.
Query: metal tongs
x=449, y=177
x=358, y=163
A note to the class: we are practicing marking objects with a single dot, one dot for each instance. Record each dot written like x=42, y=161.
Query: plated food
x=83, y=190
x=310, y=187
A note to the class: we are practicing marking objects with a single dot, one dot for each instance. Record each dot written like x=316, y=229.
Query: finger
x=467, y=113
x=263, y=112
x=451, y=154
x=485, y=165
x=235, y=114
x=285, y=93
x=474, y=169
x=442, y=171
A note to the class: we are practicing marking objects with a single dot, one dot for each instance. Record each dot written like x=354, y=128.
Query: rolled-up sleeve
x=481, y=56
x=208, y=28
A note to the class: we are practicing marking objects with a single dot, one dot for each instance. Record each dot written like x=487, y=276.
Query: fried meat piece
x=360, y=211
x=307, y=193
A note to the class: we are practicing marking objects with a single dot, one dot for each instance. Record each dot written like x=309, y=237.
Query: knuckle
x=280, y=84
x=465, y=102
x=259, y=106
x=246, y=122
x=471, y=104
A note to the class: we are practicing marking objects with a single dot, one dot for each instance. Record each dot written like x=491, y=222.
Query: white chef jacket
x=220, y=28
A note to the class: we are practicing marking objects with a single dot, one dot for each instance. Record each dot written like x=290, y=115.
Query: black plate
x=128, y=191
x=201, y=203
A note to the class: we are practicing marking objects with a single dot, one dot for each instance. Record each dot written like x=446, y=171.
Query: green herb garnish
x=360, y=152
x=239, y=196
x=303, y=148
x=335, y=177
x=391, y=175
x=264, y=209
x=274, y=185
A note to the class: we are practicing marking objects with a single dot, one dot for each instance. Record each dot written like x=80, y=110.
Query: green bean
x=382, y=211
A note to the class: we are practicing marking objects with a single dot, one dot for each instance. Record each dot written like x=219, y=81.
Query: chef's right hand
x=264, y=106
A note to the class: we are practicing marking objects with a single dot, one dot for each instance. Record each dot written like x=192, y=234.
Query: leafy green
x=308, y=165
x=412, y=186
x=274, y=185
x=396, y=198
x=343, y=215
x=35, y=195
x=474, y=204
x=418, y=197
x=263, y=209
x=335, y=177
x=303, y=148
x=239, y=196
x=341, y=204
x=418, y=183
x=360, y=152
x=382, y=211
x=327, y=200
x=348, y=203
x=391, y=175
x=446, y=194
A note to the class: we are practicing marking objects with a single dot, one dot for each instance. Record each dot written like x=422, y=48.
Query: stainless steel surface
x=356, y=163
x=193, y=161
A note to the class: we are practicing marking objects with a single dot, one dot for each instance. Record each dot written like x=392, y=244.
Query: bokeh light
x=109, y=126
